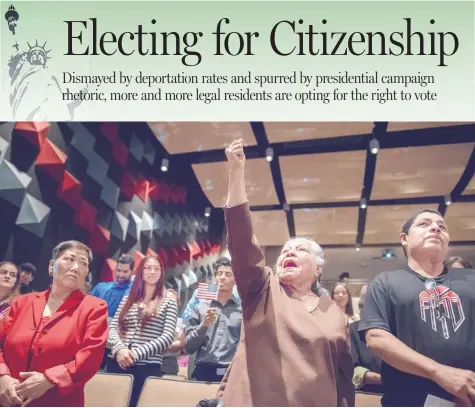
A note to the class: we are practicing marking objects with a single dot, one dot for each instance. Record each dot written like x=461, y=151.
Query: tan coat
x=286, y=356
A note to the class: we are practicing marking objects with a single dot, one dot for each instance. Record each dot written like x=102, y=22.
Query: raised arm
x=247, y=257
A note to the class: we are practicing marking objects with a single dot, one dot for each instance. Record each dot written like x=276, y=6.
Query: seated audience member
x=214, y=328
x=143, y=326
x=27, y=274
x=457, y=262
x=420, y=321
x=367, y=371
x=342, y=297
x=113, y=292
x=9, y=286
x=294, y=348
x=52, y=342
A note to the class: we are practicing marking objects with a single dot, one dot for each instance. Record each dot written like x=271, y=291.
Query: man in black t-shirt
x=420, y=320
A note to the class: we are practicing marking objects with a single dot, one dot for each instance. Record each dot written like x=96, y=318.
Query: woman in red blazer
x=52, y=342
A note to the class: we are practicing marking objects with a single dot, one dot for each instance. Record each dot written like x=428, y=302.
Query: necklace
x=312, y=308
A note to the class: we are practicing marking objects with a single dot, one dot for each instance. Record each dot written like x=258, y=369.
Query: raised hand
x=235, y=155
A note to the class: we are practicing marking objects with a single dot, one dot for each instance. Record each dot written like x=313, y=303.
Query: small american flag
x=207, y=291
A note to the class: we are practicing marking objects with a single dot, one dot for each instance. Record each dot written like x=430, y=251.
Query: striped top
x=150, y=343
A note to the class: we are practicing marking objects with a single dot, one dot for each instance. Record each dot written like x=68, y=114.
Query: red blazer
x=68, y=349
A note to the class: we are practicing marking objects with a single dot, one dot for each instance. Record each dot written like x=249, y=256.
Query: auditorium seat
x=174, y=377
x=367, y=400
x=160, y=392
x=108, y=390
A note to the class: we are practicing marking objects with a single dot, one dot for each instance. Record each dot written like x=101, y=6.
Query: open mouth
x=289, y=263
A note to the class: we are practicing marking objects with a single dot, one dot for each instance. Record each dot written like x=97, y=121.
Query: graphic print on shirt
x=441, y=307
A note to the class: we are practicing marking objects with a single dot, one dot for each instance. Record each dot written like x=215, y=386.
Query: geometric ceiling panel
x=149, y=153
x=384, y=223
x=34, y=132
x=83, y=141
x=51, y=159
x=325, y=177
x=186, y=137
x=460, y=220
x=147, y=224
x=97, y=167
x=136, y=148
x=135, y=225
x=327, y=226
x=270, y=227
x=3, y=148
x=401, y=126
x=33, y=216
x=292, y=131
x=70, y=190
x=213, y=178
x=419, y=171
x=13, y=183
x=158, y=224
x=119, y=226
x=110, y=193
x=470, y=187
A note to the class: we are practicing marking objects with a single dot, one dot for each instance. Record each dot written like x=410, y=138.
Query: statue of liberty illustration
x=36, y=93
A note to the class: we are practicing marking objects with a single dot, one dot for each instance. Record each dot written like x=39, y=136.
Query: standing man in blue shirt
x=113, y=292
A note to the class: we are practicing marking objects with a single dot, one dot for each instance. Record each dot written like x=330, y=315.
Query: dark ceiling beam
x=262, y=144
x=389, y=245
x=462, y=184
x=387, y=140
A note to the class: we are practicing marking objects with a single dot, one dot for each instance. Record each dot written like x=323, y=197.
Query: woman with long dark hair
x=342, y=297
x=143, y=326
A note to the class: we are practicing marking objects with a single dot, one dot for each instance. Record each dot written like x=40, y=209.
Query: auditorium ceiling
x=321, y=174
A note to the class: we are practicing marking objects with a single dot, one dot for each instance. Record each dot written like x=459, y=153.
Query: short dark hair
x=63, y=246
x=450, y=261
x=344, y=275
x=222, y=261
x=127, y=259
x=408, y=224
x=27, y=267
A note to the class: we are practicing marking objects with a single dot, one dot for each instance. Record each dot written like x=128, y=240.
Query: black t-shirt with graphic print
x=433, y=317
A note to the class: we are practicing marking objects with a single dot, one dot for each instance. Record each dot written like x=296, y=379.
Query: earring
x=50, y=273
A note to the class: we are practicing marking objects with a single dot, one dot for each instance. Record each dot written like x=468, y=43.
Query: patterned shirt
x=149, y=343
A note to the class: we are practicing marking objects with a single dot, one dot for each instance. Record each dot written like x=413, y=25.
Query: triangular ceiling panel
x=3, y=148
x=110, y=193
x=150, y=153
x=35, y=132
x=136, y=148
x=33, y=216
x=97, y=168
x=135, y=225
x=119, y=226
x=69, y=190
x=177, y=224
x=13, y=183
x=52, y=160
x=147, y=224
x=168, y=224
x=158, y=224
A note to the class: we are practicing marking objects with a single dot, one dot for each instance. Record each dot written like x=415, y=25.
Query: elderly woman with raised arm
x=294, y=348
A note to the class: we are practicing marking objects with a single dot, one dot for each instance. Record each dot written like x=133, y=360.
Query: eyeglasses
x=5, y=272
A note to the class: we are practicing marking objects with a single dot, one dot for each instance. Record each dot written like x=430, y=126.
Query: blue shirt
x=193, y=302
x=112, y=293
